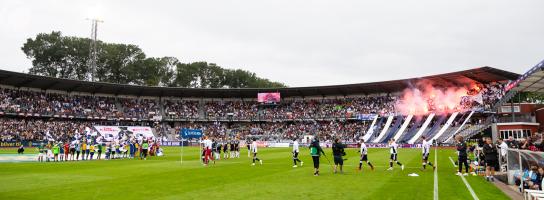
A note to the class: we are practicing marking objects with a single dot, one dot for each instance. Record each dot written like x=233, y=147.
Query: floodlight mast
x=93, y=48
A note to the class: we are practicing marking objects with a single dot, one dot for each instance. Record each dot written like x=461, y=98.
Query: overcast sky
x=300, y=43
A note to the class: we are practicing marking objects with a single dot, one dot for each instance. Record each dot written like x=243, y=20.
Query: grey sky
x=300, y=43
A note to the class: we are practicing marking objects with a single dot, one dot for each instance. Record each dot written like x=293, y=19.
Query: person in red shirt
x=66, y=150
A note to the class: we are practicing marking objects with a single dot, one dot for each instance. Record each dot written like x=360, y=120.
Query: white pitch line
x=466, y=183
x=452, y=162
x=469, y=188
x=435, y=193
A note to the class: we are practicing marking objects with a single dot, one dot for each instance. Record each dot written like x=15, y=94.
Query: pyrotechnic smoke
x=424, y=98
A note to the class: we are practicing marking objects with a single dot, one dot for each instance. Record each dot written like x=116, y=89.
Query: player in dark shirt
x=232, y=149
x=225, y=150
x=338, y=152
x=237, y=148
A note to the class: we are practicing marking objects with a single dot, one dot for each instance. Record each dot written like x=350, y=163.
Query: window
x=515, y=133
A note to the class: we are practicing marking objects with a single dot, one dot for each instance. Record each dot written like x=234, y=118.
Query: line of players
x=338, y=151
x=214, y=147
x=211, y=149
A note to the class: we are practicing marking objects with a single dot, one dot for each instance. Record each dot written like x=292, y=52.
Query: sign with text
x=191, y=133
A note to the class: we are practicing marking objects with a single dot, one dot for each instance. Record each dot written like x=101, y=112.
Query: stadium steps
x=384, y=130
x=444, y=127
x=161, y=108
x=407, y=122
x=119, y=106
x=422, y=129
x=412, y=131
x=436, y=127
x=447, y=133
x=374, y=130
x=370, y=130
x=465, y=119
x=201, y=113
x=393, y=129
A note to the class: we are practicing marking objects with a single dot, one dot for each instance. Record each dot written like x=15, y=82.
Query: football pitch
x=165, y=178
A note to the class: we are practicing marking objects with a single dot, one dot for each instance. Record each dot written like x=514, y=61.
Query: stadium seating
x=329, y=117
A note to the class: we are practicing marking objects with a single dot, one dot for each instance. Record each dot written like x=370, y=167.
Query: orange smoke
x=424, y=98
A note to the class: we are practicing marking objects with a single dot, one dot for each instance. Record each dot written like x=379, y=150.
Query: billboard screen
x=272, y=97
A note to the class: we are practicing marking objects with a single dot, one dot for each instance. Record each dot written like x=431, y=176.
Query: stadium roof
x=530, y=81
x=482, y=75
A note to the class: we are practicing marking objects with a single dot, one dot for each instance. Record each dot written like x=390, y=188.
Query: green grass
x=165, y=178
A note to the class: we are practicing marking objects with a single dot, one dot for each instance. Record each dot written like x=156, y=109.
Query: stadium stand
x=327, y=111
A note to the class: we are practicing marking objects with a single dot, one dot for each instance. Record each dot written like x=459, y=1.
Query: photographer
x=338, y=152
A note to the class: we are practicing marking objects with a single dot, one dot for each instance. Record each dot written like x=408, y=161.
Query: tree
x=67, y=57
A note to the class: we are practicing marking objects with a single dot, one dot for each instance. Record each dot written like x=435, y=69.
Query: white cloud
x=298, y=42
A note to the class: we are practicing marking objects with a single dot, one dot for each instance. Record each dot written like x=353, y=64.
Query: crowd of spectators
x=301, y=113
x=34, y=102
x=37, y=130
x=140, y=108
x=349, y=131
x=491, y=93
x=177, y=109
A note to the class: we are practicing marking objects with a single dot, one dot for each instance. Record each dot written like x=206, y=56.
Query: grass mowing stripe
x=466, y=183
x=435, y=194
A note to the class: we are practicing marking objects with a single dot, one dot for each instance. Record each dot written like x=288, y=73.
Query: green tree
x=67, y=57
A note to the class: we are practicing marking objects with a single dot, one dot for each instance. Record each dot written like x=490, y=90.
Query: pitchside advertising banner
x=110, y=132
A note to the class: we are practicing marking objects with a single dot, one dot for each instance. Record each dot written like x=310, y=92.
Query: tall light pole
x=93, y=49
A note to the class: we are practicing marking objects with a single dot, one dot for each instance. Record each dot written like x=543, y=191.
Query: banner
x=190, y=133
x=113, y=132
x=366, y=117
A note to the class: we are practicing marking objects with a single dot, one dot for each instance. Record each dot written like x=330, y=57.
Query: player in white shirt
x=426, y=149
x=364, y=157
x=254, y=151
x=394, y=149
x=295, y=153
x=207, y=148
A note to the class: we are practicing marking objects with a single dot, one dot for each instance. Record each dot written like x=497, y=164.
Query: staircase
x=403, y=127
x=393, y=129
x=434, y=128
x=370, y=130
x=384, y=130
x=373, y=130
x=423, y=128
x=445, y=126
x=412, y=131
x=451, y=134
